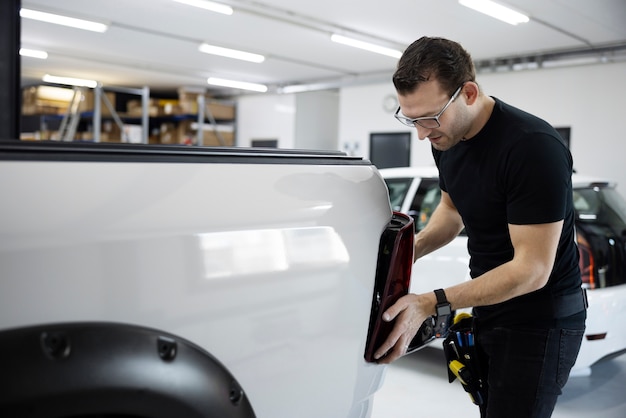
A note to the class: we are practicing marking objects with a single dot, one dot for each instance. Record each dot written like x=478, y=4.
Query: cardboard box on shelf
x=188, y=104
x=35, y=136
x=56, y=100
x=155, y=108
x=167, y=106
x=187, y=107
x=45, y=100
x=210, y=139
x=188, y=100
x=187, y=134
x=168, y=134
x=88, y=102
x=133, y=108
x=84, y=136
x=43, y=109
x=221, y=111
x=184, y=133
x=110, y=132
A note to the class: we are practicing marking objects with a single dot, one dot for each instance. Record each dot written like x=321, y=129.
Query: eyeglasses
x=428, y=122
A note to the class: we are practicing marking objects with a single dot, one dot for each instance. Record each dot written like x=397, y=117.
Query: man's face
x=436, y=115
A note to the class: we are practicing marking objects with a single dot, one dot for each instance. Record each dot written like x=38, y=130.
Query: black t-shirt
x=516, y=170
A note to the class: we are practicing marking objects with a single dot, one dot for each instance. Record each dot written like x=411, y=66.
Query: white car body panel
x=270, y=268
x=449, y=265
x=606, y=315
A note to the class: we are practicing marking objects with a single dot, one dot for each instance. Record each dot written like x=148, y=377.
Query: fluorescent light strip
x=366, y=46
x=63, y=20
x=301, y=88
x=78, y=82
x=237, y=84
x=33, y=53
x=496, y=10
x=231, y=53
x=208, y=5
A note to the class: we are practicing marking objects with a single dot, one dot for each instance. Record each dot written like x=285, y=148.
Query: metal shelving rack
x=72, y=116
x=70, y=121
x=143, y=92
x=203, y=114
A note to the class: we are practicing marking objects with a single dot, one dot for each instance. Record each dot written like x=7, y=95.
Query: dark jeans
x=525, y=368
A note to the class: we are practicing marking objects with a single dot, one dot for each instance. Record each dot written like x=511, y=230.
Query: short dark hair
x=433, y=58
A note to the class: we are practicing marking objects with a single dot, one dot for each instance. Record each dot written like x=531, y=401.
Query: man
x=505, y=177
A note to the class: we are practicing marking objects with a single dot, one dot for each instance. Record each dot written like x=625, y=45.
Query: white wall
x=305, y=120
x=364, y=110
x=266, y=117
x=317, y=120
x=589, y=99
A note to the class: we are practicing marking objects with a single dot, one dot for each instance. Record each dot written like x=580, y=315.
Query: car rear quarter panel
x=270, y=268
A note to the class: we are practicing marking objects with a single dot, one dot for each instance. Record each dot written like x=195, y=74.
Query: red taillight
x=595, y=337
x=393, y=277
x=586, y=261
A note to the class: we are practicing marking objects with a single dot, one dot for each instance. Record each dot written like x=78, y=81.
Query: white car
x=156, y=281
x=601, y=236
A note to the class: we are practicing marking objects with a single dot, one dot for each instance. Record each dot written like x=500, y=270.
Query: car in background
x=600, y=234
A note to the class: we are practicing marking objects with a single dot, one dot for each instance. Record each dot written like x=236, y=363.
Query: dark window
x=264, y=143
x=601, y=205
x=398, y=188
x=425, y=201
x=390, y=149
x=601, y=235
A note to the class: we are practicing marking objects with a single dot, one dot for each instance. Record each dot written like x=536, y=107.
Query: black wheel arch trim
x=113, y=369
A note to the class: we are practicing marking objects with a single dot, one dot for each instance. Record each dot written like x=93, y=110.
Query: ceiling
x=155, y=42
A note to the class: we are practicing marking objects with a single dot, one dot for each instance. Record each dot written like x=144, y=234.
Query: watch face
x=444, y=309
x=442, y=320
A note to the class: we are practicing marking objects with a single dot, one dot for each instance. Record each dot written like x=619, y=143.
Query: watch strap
x=443, y=311
x=441, y=296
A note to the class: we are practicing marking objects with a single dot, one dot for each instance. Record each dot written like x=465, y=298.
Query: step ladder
x=205, y=112
x=67, y=130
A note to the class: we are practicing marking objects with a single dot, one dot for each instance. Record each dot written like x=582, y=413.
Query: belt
x=567, y=305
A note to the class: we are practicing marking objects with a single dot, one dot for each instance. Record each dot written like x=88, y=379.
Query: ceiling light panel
x=261, y=88
x=344, y=40
x=496, y=10
x=208, y=5
x=70, y=81
x=231, y=53
x=63, y=20
x=33, y=53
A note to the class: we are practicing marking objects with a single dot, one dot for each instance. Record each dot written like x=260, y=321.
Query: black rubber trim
x=108, y=152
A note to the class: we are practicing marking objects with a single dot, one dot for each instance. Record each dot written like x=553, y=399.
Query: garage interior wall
x=266, y=117
x=589, y=99
x=317, y=120
x=314, y=126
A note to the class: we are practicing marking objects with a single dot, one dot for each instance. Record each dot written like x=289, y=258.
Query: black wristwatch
x=443, y=312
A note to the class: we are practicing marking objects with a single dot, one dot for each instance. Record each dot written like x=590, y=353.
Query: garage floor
x=417, y=386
